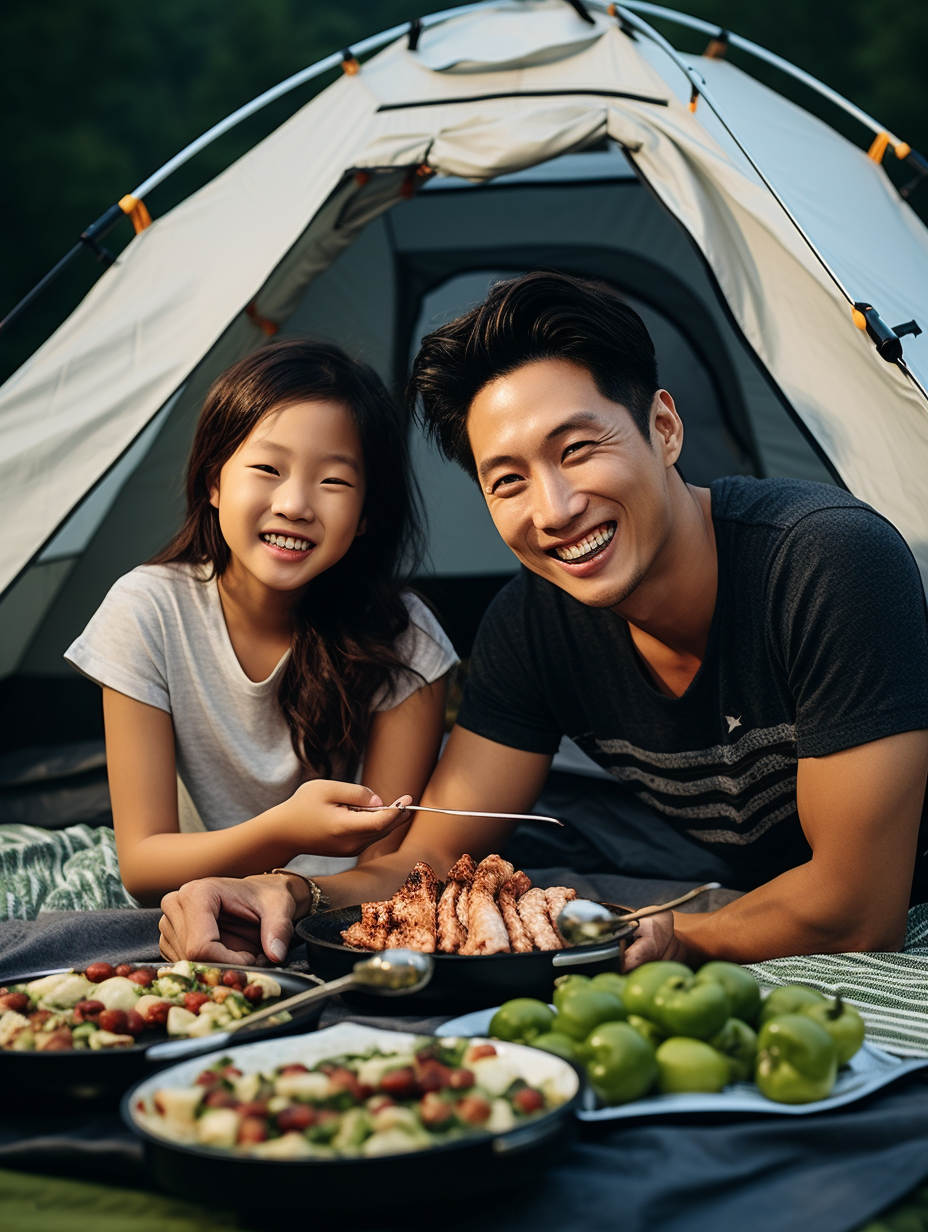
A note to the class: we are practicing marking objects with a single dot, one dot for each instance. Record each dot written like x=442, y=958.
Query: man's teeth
x=284, y=541
x=593, y=542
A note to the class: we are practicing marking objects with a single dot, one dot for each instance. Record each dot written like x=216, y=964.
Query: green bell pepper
x=843, y=1024
x=790, y=999
x=690, y=1065
x=741, y=986
x=643, y=983
x=585, y=1009
x=566, y=985
x=521, y=1020
x=560, y=1045
x=620, y=1064
x=797, y=1060
x=685, y=1006
x=649, y=1030
x=611, y=981
x=738, y=1043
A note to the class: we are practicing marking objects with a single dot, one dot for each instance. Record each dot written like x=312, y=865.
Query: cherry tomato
x=299, y=1117
x=251, y=1129
x=474, y=1110
x=528, y=1100
x=99, y=971
x=114, y=1020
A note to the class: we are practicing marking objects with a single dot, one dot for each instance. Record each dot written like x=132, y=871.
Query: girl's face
x=291, y=496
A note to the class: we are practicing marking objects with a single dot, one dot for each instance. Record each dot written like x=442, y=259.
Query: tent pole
x=108, y=220
x=697, y=81
x=761, y=53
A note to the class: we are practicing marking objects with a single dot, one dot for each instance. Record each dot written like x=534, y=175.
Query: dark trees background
x=96, y=94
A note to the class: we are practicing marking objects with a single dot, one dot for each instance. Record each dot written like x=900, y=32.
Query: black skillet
x=463, y=981
x=101, y=1077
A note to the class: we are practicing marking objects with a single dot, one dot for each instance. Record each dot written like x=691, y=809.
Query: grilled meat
x=452, y=922
x=533, y=911
x=511, y=890
x=414, y=923
x=486, y=932
x=556, y=899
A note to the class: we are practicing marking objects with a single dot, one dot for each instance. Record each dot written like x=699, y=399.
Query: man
x=751, y=660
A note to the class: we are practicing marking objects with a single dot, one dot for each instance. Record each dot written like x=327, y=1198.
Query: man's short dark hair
x=541, y=315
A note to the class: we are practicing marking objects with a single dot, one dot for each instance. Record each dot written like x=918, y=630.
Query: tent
x=478, y=143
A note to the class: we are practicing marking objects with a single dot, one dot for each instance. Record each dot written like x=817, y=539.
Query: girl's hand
x=323, y=821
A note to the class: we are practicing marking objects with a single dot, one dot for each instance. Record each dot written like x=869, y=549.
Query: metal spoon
x=582, y=920
x=394, y=973
x=424, y=808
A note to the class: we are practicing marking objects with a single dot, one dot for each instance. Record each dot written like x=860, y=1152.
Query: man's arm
x=860, y=811
x=205, y=919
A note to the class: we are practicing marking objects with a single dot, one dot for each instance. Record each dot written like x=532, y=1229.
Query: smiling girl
x=269, y=655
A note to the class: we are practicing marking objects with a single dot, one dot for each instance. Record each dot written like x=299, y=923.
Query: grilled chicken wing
x=533, y=911
x=452, y=922
x=556, y=898
x=414, y=912
x=486, y=932
x=511, y=890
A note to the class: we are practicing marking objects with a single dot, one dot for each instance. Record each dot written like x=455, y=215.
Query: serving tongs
x=427, y=808
x=394, y=973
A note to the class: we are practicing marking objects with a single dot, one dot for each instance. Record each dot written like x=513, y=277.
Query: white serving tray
x=868, y=1071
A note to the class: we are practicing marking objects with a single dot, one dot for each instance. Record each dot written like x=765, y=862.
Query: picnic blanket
x=74, y=869
x=890, y=990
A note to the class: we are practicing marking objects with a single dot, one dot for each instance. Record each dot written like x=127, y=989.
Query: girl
x=269, y=652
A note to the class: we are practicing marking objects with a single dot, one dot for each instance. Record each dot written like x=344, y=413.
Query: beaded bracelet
x=318, y=899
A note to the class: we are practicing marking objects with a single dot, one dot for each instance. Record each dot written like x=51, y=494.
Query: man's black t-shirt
x=818, y=643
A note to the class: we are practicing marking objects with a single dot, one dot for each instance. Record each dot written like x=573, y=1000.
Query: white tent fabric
x=275, y=220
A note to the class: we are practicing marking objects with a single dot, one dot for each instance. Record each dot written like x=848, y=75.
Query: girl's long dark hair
x=342, y=656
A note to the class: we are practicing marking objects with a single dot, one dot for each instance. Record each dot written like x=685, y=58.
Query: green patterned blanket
x=890, y=990
x=74, y=869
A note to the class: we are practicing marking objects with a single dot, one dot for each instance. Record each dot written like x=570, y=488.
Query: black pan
x=388, y=1189
x=463, y=981
x=102, y=1077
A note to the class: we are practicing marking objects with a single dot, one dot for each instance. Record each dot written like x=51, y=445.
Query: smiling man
x=750, y=659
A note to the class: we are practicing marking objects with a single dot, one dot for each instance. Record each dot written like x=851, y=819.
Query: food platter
x=472, y=981
x=351, y=1184
x=869, y=1070
x=83, y=1075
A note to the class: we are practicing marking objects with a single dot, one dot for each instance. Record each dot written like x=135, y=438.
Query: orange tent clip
x=265, y=325
x=137, y=211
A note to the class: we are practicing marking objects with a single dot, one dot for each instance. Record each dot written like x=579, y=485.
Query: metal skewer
x=424, y=808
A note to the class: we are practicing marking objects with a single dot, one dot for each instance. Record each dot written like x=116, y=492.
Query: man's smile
x=584, y=548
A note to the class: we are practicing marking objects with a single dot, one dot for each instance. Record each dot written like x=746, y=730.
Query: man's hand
x=226, y=919
x=654, y=942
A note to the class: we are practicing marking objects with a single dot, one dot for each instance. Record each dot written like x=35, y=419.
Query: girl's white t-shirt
x=160, y=637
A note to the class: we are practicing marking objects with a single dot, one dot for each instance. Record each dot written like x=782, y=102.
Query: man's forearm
x=803, y=911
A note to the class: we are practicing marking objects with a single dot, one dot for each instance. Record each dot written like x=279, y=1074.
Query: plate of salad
x=86, y=1033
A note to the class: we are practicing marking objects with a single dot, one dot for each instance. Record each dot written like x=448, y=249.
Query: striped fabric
x=749, y=783
x=74, y=869
x=890, y=990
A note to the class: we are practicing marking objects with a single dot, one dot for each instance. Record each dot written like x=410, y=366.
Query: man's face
x=573, y=487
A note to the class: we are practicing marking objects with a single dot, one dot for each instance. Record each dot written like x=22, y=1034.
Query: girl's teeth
x=285, y=541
